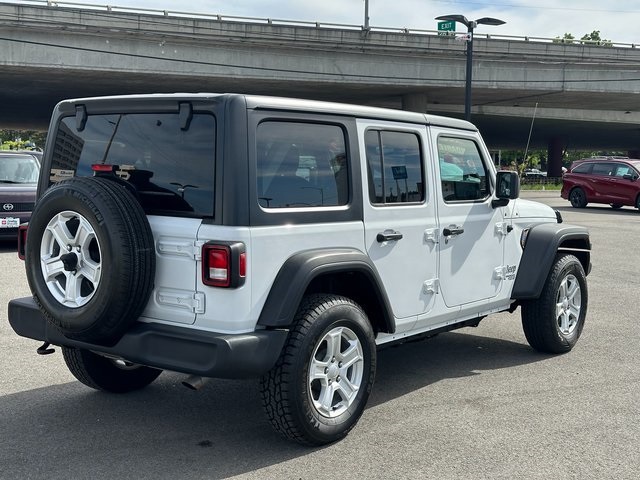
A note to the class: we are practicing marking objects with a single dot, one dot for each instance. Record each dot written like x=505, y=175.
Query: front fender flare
x=543, y=243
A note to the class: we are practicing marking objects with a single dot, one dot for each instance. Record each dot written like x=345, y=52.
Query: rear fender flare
x=301, y=269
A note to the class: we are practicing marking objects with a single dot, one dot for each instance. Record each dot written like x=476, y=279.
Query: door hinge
x=503, y=228
x=431, y=235
x=500, y=273
x=181, y=248
x=193, y=301
x=431, y=287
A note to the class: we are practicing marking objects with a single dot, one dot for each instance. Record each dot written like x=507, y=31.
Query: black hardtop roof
x=285, y=104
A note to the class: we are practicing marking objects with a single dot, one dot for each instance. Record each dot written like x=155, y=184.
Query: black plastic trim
x=302, y=268
x=167, y=347
x=543, y=243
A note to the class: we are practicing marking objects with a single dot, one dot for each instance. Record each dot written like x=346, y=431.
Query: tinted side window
x=603, y=168
x=171, y=168
x=583, y=168
x=394, y=166
x=463, y=174
x=301, y=165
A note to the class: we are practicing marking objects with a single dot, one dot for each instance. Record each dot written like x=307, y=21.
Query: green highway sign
x=446, y=28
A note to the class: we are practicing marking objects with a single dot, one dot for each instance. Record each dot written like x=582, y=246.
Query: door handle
x=388, y=235
x=452, y=230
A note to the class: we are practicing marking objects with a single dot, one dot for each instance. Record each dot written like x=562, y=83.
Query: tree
x=592, y=38
x=566, y=38
x=22, y=139
x=595, y=37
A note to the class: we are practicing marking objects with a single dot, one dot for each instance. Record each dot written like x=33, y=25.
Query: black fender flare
x=543, y=243
x=301, y=269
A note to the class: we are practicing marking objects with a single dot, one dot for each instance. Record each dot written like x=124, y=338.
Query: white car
x=244, y=236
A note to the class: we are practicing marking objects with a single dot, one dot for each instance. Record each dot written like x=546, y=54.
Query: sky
x=617, y=20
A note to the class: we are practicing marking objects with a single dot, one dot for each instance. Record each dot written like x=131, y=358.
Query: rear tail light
x=22, y=240
x=103, y=168
x=224, y=264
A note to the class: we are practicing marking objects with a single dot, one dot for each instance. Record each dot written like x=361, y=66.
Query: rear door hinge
x=431, y=235
x=170, y=246
x=193, y=301
x=431, y=287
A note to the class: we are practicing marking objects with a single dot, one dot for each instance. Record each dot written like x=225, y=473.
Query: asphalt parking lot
x=476, y=403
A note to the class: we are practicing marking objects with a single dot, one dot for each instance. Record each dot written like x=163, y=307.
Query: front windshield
x=15, y=168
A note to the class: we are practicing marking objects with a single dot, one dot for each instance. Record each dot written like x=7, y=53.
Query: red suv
x=612, y=181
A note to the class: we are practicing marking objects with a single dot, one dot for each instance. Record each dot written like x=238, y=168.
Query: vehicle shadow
x=8, y=245
x=167, y=431
x=601, y=209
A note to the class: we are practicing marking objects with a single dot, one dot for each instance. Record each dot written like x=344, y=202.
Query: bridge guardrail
x=302, y=23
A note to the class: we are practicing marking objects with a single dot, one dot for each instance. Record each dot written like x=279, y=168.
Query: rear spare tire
x=90, y=258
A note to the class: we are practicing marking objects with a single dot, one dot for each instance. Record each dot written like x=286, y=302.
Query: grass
x=538, y=186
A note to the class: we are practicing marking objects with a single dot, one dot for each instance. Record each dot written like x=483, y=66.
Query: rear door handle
x=452, y=230
x=388, y=236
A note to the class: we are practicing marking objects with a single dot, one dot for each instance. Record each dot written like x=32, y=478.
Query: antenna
x=526, y=150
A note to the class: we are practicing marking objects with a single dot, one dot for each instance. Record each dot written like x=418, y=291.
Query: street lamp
x=470, y=26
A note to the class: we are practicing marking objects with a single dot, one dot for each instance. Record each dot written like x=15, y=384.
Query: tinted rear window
x=172, y=168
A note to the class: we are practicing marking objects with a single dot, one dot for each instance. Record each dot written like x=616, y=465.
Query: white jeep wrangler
x=236, y=236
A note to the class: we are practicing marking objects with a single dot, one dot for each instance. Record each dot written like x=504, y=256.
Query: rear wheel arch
x=343, y=271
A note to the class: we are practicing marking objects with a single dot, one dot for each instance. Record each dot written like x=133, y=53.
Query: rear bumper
x=167, y=347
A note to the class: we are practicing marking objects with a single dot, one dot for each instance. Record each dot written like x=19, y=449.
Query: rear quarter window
x=171, y=168
x=583, y=168
x=301, y=165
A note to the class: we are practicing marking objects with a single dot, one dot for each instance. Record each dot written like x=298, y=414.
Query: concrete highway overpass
x=583, y=96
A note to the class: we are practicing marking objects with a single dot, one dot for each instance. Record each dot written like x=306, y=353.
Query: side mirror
x=630, y=176
x=507, y=188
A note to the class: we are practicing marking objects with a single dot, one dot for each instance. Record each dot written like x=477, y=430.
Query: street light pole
x=471, y=25
x=467, y=85
x=366, y=14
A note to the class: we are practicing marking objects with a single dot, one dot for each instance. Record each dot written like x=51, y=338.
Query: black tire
x=638, y=202
x=109, y=269
x=546, y=329
x=293, y=401
x=578, y=198
x=106, y=374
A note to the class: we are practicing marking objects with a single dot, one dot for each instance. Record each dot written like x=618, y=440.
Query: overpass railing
x=284, y=22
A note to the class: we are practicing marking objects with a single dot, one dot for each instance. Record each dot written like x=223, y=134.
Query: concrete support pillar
x=415, y=102
x=554, y=155
x=633, y=153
